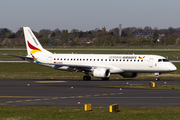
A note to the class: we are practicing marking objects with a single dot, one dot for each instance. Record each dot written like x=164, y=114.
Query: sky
x=88, y=14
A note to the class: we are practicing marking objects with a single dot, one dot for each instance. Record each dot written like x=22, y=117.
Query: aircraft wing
x=86, y=67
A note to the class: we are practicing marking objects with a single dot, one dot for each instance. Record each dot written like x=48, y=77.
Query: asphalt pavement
x=64, y=92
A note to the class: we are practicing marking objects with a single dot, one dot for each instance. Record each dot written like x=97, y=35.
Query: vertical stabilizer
x=32, y=44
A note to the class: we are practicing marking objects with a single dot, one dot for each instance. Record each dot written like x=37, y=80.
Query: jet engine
x=129, y=75
x=101, y=73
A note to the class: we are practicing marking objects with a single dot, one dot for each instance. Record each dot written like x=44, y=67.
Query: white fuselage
x=116, y=63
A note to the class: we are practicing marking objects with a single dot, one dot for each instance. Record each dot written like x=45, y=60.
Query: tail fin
x=32, y=44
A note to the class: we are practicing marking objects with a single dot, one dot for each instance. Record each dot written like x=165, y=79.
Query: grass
x=35, y=71
x=97, y=113
x=171, y=55
x=144, y=86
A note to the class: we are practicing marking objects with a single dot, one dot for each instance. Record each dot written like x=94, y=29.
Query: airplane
x=97, y=65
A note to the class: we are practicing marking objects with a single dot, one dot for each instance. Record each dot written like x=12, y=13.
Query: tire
x=157, y=79
x=87, y=78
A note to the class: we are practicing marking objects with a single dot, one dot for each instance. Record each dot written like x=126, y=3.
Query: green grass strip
x=97, y=113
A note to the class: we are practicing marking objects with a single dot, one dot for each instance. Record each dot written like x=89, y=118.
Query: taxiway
x=35, y=92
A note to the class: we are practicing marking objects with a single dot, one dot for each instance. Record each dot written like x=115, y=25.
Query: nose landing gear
x=157, y=76
x=157, y=79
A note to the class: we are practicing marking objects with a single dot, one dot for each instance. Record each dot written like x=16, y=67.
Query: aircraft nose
x=172, y=67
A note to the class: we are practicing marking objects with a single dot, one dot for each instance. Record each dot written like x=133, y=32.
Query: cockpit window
x=163, y=60
x=160, y=60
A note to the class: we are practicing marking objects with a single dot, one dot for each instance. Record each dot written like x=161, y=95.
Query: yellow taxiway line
x=50, y=81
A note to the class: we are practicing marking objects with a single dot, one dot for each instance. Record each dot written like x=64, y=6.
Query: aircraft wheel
x=157, y=79
x=87, y=78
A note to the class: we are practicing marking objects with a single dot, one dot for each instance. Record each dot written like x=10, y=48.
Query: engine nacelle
x=129, y=75
x=101, y=73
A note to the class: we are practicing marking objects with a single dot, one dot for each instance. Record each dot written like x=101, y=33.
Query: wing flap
x=71, y=65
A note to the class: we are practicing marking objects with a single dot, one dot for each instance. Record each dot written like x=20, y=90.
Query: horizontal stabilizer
x=25, y=57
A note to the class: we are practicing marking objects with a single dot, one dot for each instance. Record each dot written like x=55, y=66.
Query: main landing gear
x=87, y=78
x=157, y=76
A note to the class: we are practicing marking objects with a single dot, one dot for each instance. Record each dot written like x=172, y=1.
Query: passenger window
x=101, y=59
x=54, y=58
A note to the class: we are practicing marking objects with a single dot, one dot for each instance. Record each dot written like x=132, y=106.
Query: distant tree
x=171, y=30
x=6, y=42
x=147, y=29
x=100, y=34
x=126, y=32
x=162, y=31
x=20, y=33
x=74, y=31
x=64, y=31
x=155, y=37
x=53, y=34
x=96, y=29
x=139, y=29
x=65, y=37
x=45, y=32
x=12, y=35
x=115, y=30
x=71, y=36
x=45, y=42
x=81, y=34
x=58, y=32
x=4, y=31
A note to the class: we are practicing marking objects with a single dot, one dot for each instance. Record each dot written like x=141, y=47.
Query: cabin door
x=50, y=59
x=150, y=62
